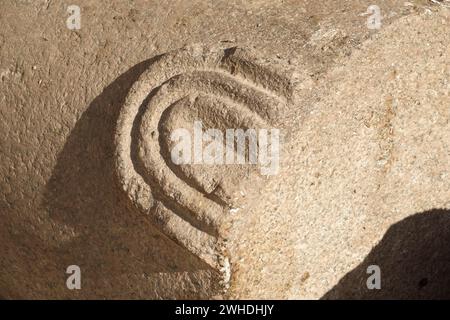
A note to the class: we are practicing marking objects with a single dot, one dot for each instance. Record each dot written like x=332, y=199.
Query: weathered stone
x=86, y=123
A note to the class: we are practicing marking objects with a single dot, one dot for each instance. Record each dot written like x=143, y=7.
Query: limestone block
x=86, y=137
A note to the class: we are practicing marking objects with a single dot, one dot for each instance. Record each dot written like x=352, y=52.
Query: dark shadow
x=118, y=249
x=414, y=258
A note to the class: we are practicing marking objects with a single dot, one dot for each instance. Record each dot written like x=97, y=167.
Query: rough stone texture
x=365, y=160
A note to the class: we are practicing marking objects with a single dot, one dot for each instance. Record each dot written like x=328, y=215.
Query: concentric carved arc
x=190, y=78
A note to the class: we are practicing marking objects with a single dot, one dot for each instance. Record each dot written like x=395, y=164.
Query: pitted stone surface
x=364, y=162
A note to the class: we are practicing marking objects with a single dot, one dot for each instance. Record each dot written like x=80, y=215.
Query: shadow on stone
x=414, y=258
x=120, y=253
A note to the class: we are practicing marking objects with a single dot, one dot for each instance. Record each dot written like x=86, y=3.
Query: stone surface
x=365, y=162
